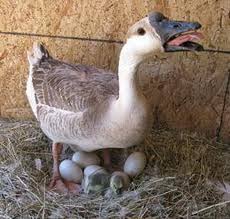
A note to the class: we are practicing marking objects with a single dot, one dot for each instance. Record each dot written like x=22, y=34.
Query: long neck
x=128, y=83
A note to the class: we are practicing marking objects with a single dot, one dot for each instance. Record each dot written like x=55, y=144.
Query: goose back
x=72, y=87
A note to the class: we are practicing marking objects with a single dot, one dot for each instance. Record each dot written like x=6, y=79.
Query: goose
x=91, y=108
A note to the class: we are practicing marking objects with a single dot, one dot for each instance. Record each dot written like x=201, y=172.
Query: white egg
x=70, y=171
x=93, y=169
x=135, y=164
x=84, y=159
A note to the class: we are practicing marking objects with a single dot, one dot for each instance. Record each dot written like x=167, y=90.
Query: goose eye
x=141, y=31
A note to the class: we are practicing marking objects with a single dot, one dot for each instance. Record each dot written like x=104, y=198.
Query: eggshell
x=124, y=176
x=84, y=159
x=93, y=169
x=135, y=164
x=96, y=182
x=89, y=172
x=70, y=171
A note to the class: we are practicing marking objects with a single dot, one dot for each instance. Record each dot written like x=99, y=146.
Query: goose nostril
x=176, y=25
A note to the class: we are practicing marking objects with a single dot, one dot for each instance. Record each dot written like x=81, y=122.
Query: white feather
x=33, y=58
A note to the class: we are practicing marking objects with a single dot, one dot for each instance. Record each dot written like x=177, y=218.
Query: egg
x=70, y=171
x=93, y=169
x=135, y=164
x=84, y=159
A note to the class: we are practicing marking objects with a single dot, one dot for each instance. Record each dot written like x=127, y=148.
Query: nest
x=179, y=180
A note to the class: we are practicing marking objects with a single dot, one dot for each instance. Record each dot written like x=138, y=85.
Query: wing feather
x=72, y=87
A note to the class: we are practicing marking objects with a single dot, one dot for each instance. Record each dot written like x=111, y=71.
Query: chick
x=117, y=184
x=119, y=181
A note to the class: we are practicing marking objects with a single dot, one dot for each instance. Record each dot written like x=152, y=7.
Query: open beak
x=176, y=35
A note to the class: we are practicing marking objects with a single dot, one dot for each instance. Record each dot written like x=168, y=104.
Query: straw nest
x=186, y=177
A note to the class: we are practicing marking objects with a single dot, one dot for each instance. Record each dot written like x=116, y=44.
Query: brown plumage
x=72, y=87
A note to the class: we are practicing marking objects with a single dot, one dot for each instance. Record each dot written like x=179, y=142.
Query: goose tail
x=37, y=54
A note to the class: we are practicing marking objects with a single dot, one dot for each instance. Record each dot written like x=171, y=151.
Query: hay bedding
x=177, y=183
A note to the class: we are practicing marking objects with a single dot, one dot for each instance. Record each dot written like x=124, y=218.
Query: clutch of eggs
x=71, y=170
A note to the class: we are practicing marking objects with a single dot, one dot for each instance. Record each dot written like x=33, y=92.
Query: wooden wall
x=187, y=89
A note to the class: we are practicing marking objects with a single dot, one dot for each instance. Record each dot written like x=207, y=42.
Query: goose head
x=157, y=33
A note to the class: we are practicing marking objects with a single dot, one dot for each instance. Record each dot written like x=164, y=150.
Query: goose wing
x=72, y=88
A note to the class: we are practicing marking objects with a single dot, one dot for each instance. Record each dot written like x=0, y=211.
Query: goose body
x=80, y=105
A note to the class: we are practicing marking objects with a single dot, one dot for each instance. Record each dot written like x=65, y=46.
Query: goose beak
x=176, y=35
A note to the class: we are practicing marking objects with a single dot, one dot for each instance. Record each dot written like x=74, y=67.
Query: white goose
x=91, y=108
